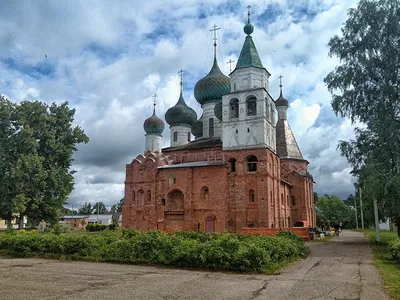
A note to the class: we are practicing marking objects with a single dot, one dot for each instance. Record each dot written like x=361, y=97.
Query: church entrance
x=210, y=224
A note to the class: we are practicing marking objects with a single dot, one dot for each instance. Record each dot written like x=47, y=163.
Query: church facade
x=243, y=169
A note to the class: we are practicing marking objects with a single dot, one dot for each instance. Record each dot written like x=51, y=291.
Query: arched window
x=251, y=104
x=252, y=163
x=293, y=201
x=234, y=108
x=205, y=193
x=140, y=198
x=148, y=197
x=232, y=164
x=163, y=202
x=133, y=197
x=287, y=200
x=251, y=196
x=270, y=195
x=282, y=199
x=172, y=180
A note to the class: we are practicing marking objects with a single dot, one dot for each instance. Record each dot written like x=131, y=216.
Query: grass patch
x=217, y=251
x=387, y=265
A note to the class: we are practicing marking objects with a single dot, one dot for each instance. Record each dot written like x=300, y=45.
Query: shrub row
x=234, y=252
x=95, y=227
x=395, y=249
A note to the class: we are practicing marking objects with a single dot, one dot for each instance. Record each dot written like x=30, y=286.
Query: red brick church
x=243, y=169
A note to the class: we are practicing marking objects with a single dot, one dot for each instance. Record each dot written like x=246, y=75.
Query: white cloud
x=109, y=59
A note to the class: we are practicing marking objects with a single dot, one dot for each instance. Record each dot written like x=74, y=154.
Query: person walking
x=42, y=226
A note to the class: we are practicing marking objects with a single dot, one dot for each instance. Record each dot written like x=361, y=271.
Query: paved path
x=341, y=269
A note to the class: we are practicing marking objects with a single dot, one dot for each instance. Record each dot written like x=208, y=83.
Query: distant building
x=244, y=168
x=76, y=221
x=100, y=219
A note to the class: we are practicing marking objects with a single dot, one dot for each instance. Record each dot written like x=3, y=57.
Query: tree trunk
x=398, y=226
x=21, y=220
x=9, y=220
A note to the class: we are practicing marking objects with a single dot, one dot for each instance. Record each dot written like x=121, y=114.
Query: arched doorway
x=210, y=224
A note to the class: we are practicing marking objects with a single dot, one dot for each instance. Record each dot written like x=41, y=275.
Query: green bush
x=95, y=227
x=224, y=251
x=112, y=226
x=395, y=249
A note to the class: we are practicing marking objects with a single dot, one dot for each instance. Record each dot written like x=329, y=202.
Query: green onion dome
x=197, y=128
x=154, y=125
x=218, y=110
x=213, y=86
x=180, y=113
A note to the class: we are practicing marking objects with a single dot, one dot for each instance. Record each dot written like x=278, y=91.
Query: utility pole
x=97, y=212
x=361, y=209
x=355, y=206
x=378, y=233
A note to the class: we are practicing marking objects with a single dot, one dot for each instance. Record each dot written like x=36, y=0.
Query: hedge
x=395, y=249
x=235, y=252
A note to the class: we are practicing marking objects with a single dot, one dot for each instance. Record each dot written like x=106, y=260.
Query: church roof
x=153, y=125
x=213, y=86
x=197, y=144
x=249, y=56
x=286, y=145
x=180, y=113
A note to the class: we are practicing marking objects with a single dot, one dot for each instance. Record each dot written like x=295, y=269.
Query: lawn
x=387, y=265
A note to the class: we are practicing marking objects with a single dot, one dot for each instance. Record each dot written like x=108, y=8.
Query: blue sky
x=108, y=59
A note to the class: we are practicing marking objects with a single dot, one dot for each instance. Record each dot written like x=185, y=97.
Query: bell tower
x=248, y=111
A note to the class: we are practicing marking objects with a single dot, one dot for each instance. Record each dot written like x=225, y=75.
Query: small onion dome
x=197, y=128
x=180, y=113
x=281, y=101
x=213, y=86
x=218, y=110
x=153, y=125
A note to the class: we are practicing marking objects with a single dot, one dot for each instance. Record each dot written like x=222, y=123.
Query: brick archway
x=175, y=200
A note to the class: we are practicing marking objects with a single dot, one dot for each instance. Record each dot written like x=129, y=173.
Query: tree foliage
x=85, y=209
x=100, y=206
x=332, y=210
x=366, y=88
x=117, y=207
x=37, y=141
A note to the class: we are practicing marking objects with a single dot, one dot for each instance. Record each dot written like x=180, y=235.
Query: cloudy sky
x=107, y=58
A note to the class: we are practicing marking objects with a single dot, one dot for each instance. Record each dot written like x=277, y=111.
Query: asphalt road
x=340, y=269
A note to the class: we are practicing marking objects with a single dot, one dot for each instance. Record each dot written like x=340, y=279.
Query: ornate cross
x=215, y=28
x=280, y=79
x=181, y=74
x=248, y=13
x=154, y=101
x=230, y=65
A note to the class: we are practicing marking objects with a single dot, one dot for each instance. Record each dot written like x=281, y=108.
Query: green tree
x=117, y=207
x=38, y=141
x=331, y=209
x=85, y=209
x=366, y=88
x=101, y=207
